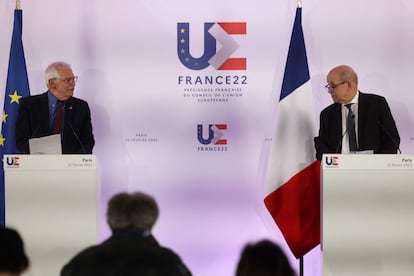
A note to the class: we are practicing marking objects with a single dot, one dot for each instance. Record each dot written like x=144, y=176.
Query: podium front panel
x=51, y=201
x=368, y=214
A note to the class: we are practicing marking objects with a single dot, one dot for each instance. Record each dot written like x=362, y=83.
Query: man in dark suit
x=131, y=250
x=375, y=127
x=38, y=115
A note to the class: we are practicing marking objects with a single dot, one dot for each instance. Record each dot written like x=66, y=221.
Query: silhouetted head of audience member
x=128, y=211
x=263, y=258
x=131, y=249
x=13, y=259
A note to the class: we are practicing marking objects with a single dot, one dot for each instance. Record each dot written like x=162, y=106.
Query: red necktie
x=57, y=125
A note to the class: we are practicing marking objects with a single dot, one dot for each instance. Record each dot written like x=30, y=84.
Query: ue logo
x=331, y=161
x=13, y=161
x=213, y=32
x=215, y=132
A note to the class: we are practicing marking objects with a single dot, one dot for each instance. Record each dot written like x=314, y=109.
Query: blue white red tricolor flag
x=293, y=173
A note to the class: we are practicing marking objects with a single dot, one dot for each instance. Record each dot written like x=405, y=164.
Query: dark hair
x=12, y=255
x=263, y=258
x=136, y=210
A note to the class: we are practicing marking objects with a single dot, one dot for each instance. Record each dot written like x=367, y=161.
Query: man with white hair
x=56, y=112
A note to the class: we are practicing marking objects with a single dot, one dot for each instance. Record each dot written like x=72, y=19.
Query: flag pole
x=17, y=4
x=301, y=268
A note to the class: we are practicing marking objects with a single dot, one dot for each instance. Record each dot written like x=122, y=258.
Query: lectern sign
x=331, y=161
x=389, y=161
x=12, y=161
x=50, y=162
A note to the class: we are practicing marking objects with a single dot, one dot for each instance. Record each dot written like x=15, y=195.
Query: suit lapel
x=69, y=110
x=44, y=109
x=362, y=116
x=337, y=127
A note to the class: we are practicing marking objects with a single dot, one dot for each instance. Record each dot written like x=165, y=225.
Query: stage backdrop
x=186, y=115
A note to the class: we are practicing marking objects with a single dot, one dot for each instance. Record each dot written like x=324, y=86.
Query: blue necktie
x=350, y=126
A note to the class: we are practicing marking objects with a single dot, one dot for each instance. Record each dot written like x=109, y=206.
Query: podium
x=367, y=214
x=51, y=201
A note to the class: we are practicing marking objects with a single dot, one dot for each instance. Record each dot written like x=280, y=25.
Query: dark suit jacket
x=126, y=254
x=33, y=122
x=376, y=127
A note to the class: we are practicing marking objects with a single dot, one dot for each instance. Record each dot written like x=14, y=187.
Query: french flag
x=293, y=173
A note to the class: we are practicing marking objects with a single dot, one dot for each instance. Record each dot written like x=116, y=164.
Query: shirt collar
x=52, y=99
x=354, y=99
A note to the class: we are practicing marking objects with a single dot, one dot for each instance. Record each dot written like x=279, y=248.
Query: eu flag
x=17, y=86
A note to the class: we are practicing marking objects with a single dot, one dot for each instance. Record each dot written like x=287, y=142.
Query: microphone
x=70, y=108
x=77, y=138
x=389, y=136
x=340, y=141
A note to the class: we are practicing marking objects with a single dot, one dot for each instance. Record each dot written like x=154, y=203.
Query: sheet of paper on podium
x=46, y=145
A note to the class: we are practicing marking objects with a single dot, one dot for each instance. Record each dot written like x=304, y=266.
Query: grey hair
x=51, y=71
x=136, y=210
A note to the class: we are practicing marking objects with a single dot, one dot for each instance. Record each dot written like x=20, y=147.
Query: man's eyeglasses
x=331, y=86
x=74, y=79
